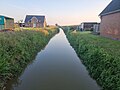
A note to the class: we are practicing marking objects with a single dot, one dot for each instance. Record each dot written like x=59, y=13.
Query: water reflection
x=55, y=68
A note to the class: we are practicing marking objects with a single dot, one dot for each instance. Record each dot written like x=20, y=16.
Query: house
x=87, y=26
x=35, y=21
x=110, y=20
x=6, y=23
x=96, y=28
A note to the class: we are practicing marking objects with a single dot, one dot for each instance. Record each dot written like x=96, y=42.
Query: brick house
x=110, y=20
x=35, y=21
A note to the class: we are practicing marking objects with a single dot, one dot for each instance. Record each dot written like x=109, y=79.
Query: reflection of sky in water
x=56, y=68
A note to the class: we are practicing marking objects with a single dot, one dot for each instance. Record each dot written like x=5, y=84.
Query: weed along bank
x=100, y=55
x=18, y=49
x=6, y=23
x=56, y=67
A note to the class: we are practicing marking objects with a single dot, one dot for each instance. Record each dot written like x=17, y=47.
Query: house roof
x=6, y=17
x=40, y=18
x=113, y=7
x=89, y=22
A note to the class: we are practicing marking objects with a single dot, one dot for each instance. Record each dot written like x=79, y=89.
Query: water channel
x=57, y=67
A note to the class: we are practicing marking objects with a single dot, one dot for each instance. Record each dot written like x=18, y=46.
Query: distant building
x=35, y=21
x=22, y=24
x=87, y=26
x=18, y=25
x=110, y=20
x=96, y=28
x=6, y=23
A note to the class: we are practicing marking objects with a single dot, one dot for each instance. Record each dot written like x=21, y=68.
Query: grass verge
x=101, y=57
x=18, y=48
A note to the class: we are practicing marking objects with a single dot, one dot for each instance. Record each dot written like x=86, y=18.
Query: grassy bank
x=101, y=57
x=18, y=48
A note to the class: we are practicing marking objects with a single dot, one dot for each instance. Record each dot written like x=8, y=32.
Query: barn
x=110, y=20
x=6, y=23
x=35, y=21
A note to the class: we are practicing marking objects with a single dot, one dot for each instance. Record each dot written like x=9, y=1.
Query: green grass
x=18, y=48
x=101, y=57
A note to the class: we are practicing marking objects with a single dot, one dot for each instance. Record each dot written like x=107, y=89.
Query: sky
x=63, y=12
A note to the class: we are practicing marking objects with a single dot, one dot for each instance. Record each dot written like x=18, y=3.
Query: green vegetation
x=72, y=28
x=101, y=57
x=18, y=48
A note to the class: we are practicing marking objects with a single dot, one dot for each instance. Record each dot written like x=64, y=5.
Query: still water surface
x=57, y=67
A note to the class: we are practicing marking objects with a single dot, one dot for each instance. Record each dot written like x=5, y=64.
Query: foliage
x=101, y=57
x=18, y=48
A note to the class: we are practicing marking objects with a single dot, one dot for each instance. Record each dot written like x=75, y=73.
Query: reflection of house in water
x=35, y=21
x=6, y=23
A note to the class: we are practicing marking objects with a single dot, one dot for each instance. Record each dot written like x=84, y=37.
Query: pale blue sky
x=64, y=12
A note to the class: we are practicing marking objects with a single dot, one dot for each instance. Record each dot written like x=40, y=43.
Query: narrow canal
x=57, y=67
